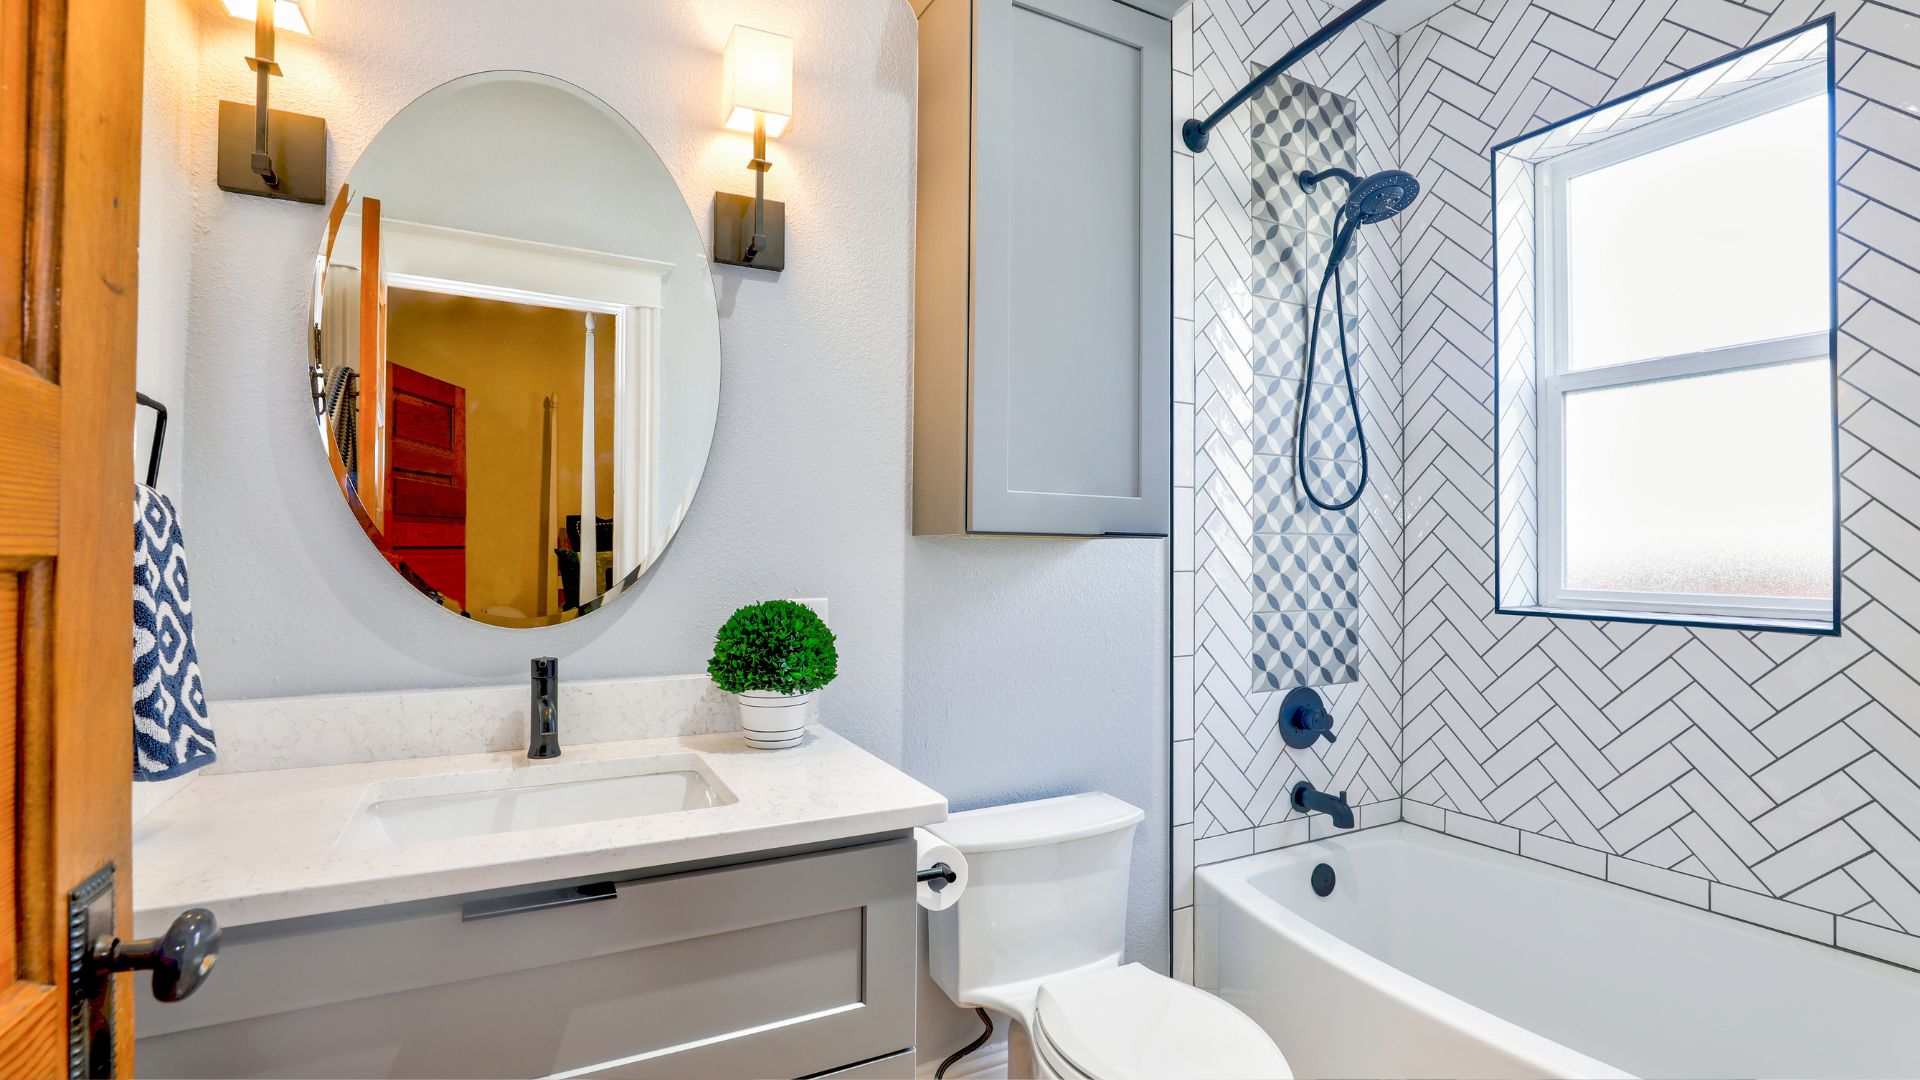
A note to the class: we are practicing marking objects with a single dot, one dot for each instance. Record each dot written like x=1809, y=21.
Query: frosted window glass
x=1718, y=484
x=1717, y=240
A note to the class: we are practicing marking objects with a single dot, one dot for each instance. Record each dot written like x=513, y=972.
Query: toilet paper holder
x=937, y=872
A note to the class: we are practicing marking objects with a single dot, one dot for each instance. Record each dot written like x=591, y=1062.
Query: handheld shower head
x=1381, y=196
x=1370, y=199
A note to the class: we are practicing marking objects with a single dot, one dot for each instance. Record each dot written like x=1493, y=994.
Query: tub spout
x=1307, y=799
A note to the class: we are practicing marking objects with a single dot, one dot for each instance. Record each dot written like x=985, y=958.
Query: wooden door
x=426, y=479
x=70, y=76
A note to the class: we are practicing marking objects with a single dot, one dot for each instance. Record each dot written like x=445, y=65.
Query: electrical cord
x=977, y=1043
x=1345, y=225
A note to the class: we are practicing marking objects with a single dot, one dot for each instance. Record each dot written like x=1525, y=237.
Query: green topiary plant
x=775, y=646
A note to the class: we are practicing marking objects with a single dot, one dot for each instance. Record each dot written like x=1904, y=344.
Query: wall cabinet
x=1043, y=288
x=793, y=966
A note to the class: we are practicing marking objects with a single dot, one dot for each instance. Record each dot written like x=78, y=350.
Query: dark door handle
x=179, y=959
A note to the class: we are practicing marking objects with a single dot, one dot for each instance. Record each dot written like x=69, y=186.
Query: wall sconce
x=267, y=152
x=759, y=98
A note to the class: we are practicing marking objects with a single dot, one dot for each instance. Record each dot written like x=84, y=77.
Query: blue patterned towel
x=170, y=731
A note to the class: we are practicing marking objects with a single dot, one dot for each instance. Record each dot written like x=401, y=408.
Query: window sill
x=1824, y=627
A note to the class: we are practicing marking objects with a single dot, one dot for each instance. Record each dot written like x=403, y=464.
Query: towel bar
x=159, y=437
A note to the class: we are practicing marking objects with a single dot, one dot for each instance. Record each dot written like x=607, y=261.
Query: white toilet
x=1037, y=938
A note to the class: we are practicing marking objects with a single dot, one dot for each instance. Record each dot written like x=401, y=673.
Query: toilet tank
x=1046, y=892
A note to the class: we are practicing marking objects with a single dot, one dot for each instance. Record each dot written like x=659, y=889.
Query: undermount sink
x=431, y=808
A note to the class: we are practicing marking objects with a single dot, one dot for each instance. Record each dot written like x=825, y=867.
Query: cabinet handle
x=536, y=901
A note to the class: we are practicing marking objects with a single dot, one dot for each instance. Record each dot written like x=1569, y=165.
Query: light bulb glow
x=287, y=15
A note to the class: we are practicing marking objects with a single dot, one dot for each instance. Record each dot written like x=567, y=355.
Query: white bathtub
x=1435, y=957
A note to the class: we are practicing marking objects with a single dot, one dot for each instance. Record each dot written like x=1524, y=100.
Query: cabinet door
x=788, y=967
x=1072, y=275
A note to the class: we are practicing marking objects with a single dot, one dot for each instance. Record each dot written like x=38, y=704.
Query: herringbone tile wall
x=1770, y=777
x=1232, y=772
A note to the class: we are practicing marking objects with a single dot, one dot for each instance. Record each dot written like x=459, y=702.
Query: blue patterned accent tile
x=1300, y=572
x=1278, y=506
x=1280, y=341
x=1305, y=648
x=1297, y=119
x=1288, y=264
x=1278, y=197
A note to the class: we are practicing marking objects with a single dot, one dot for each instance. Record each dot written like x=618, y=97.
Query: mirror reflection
x=516, y=365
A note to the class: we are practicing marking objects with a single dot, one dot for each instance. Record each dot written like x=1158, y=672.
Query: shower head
x=1370, y=199
x=1381, y=196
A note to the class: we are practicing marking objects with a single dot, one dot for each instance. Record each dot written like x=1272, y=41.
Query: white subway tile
x=1766, y=911
x=1671, y=884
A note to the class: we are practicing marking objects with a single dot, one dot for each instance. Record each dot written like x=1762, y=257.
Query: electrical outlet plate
x=819, y=606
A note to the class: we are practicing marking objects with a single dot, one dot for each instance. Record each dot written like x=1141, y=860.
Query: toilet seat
x=1129, y=1023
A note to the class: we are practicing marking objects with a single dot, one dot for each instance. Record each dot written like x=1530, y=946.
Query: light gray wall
x=806, y=491
x=167, y=193
x=1036, y=668
x=992, y=669
x=166, y=227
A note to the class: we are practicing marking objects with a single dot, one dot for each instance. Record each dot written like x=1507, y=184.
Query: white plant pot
x=772, y=721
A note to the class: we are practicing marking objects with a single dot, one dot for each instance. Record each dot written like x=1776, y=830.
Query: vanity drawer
x=786, y=967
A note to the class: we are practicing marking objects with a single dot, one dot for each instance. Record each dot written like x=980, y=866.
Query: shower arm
x=1195, y=132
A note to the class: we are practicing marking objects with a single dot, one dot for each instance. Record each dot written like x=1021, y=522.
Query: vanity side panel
x=942, y=257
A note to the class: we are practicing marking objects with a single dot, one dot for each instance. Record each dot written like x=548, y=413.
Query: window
x=1676, y=363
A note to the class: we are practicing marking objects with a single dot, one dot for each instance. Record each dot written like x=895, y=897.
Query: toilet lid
x=1128, y=1022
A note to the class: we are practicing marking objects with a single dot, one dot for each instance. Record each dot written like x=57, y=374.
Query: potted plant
x=771, y=657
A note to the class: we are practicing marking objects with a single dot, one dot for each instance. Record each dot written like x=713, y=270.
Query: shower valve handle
x=1304, y=718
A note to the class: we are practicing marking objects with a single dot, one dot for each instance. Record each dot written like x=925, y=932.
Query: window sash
x=1556, y=382
x=1552, y=413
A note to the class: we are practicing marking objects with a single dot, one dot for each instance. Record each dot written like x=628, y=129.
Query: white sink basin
x=530, y=796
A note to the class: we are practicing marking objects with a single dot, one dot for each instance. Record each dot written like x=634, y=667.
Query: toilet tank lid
x=1031, y=824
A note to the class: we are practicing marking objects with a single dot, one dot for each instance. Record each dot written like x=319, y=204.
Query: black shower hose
x=1344, y=228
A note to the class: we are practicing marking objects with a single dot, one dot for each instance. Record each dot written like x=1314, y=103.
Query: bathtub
x=1437, y=957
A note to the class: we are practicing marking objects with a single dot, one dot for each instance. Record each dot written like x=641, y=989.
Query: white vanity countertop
x=259, y=846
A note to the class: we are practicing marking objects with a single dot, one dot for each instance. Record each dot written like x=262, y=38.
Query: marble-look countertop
x=259, y=846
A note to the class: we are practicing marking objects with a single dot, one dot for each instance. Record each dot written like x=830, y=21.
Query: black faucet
x=1307, y=800
x=543, y=739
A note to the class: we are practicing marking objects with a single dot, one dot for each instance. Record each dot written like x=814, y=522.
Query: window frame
x=1555, y=381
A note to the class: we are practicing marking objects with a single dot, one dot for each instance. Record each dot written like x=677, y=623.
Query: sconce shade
x=758, y=79
x=287, y=15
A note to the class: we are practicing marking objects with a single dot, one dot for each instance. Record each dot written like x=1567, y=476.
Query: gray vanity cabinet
x=794, y=966
x=1043, y=290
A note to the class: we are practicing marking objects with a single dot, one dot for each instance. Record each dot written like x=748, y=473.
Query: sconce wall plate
x=733, y=229
x=297, y=143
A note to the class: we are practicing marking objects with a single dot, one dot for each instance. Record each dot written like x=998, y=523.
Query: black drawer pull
x=536, y=901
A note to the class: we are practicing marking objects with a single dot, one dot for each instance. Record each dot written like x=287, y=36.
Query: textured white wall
x=806, y=491
x=1039, y=667
x=166, y=226
x=992, y=669
x=166, y=257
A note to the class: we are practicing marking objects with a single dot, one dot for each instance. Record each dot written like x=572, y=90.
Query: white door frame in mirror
x=455, y=262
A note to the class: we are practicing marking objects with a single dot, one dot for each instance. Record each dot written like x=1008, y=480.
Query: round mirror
x=516, y=354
